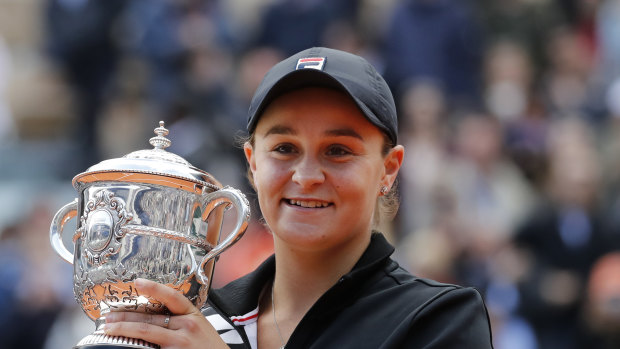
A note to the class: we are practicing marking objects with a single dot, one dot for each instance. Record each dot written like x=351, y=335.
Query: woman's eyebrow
x=285, y=130
x=280, y=130
x=344, y=132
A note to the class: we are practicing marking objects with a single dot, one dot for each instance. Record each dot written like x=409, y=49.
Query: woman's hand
x=187, y=328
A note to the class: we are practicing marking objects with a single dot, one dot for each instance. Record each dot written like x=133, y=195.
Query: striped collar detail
x=245, y=319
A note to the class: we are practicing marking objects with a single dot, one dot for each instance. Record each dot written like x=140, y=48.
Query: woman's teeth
x=308, y=204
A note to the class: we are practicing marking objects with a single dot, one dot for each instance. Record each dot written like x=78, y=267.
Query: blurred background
x=509, y=112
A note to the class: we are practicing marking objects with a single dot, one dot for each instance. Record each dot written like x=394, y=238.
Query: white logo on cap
x=311, y=63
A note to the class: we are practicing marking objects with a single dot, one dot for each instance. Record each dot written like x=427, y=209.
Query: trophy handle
x=229, y=196
x=63, y=215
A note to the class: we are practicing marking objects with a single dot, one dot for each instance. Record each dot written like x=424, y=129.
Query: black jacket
x=377, y=305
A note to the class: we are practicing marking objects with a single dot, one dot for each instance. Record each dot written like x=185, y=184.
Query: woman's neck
x=303, y=276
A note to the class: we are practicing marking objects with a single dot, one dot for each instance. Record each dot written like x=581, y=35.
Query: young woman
x=323, y=158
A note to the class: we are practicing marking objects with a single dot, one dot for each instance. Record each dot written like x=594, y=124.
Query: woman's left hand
x=187, y=328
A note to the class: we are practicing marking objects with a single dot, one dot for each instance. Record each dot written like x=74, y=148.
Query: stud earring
x=384, y=190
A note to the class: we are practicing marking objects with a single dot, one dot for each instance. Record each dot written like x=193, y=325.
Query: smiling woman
x=322, y=154
x=318, y=170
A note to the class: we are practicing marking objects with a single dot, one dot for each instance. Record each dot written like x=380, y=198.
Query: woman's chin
x=306, y=235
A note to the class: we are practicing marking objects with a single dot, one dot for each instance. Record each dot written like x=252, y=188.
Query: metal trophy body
x=147, y=215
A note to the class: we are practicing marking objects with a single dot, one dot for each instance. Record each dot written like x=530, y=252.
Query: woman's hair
x=387, y=205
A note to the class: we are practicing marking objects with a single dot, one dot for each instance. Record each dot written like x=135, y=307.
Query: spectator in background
x=610, y=148
x=121, y=124
x=35, y=285
x=570, y=10
x=606, y=69
x=425, y=136
x=10, y=271
x=491, y=193
x=435, y=39
x=293, y=25
x=603, y=301
x=567, y=84
x=508, y=81
x=608, y=38
x=173, y=38
x=525, y=22
x=426, y=233
x=562, y=238
x=510, y=93
x=8, y=130
x=81, y=42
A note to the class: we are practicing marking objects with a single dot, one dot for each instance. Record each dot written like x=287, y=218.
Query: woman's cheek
x=269, y=177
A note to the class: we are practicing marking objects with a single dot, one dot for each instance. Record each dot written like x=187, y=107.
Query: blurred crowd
x=509, y=112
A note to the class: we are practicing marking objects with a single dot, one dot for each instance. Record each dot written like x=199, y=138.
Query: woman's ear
x=392, y=163
x=248, y=150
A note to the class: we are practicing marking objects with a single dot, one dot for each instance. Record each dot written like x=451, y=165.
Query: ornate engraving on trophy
x=100, y=226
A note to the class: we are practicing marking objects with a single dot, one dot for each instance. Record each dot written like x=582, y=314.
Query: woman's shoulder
x=424, y=310
x=399, y=283
x=393, y=309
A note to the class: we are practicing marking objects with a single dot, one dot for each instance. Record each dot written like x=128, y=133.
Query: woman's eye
x=338, y=151
x=284, y=149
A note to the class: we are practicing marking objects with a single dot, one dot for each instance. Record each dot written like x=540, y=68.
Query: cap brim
x=309, y=78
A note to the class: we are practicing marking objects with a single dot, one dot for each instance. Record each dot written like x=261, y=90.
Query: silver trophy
x=149, y=214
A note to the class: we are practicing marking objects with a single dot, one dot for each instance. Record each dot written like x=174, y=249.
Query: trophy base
x=102, y=341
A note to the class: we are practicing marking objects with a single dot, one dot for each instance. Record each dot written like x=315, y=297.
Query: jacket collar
x=242, y=295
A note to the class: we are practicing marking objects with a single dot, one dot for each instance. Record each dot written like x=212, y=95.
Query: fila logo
x=311, y=63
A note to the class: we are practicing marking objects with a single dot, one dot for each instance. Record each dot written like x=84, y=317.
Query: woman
x=323, y=159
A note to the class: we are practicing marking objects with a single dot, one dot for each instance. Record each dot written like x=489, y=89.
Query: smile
x=308, y=203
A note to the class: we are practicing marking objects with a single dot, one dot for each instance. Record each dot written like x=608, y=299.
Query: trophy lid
x=154, y=166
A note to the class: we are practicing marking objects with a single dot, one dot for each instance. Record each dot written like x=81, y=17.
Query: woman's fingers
x=186, y=328
x=153, y=319
x=142, y=330
x=185, y=331
x=176, y=302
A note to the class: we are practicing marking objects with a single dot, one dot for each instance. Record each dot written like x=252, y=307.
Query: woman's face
x=318, y=169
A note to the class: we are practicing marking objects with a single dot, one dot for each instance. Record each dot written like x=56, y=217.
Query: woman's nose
x=308, y=172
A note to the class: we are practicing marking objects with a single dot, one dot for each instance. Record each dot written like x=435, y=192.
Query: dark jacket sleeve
x=456, y=318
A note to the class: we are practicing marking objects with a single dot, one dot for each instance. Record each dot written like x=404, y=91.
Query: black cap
x=320, y=66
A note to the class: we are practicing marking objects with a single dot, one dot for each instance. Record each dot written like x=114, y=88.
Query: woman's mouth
x=308, y=203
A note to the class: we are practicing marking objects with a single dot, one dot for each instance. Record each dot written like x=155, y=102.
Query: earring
x=384, y=190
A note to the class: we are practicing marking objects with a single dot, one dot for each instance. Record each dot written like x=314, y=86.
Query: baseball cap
x=325, y=67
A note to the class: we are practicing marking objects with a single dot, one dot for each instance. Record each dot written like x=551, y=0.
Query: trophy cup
x=149, y=214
